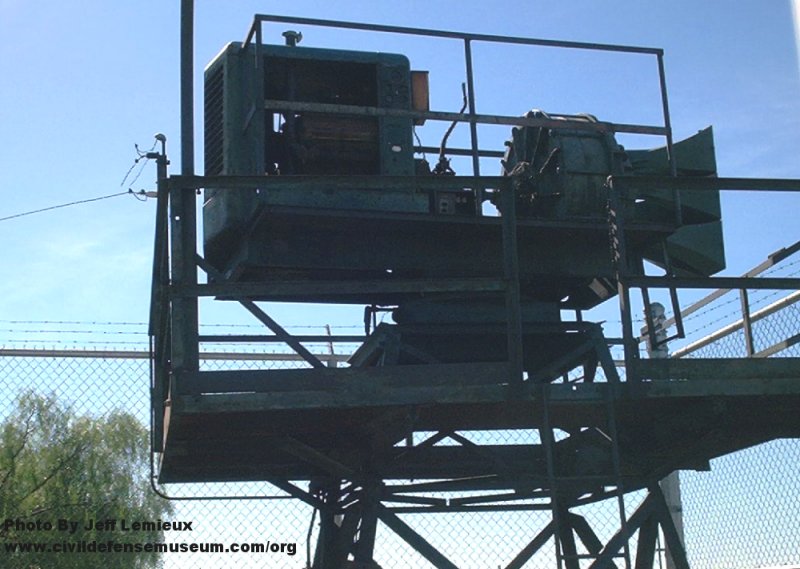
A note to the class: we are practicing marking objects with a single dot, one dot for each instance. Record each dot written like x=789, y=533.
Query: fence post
x=670, y=486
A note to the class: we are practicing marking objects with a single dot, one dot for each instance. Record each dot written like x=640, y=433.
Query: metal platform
x=362, y=257
x=263, y=425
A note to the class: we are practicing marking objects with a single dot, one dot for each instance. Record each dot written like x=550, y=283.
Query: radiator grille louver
x=214, y=118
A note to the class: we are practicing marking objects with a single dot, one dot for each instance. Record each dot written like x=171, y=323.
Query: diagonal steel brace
x=265, y=319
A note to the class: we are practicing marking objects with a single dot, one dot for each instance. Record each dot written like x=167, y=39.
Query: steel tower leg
x=364, y=547
x=331, y=551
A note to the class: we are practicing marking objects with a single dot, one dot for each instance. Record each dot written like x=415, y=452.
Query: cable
x=419, y=142
x=81, y=322
x=139, y=173
x=16, y=215
x=140, y=155
x=443, y=166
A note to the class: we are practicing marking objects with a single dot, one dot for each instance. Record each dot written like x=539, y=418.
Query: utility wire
x=140, y=195
x=139, y=156
x=70, y=204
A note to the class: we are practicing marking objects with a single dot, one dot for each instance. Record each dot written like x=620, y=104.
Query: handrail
x=738, y=325
x=703, y=184
x=749, y=281
x=255, y=32
x=261, y=18
x=560, y=121
x=772, y=259
x=730, y=283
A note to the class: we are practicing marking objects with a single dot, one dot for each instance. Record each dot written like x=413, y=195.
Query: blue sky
x=84, y=81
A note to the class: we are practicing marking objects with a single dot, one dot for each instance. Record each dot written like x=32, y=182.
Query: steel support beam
x=535, y=545
x=158, y=328
x=566, y=537
x=473, y=119
x=301, y=183
x=255, y=338
x=771, y=283
x=673, y=539
x=187, y=87
x=646, y=544
x=276, y=290
x=512, y=297
x=616, y=223
x=616, y=543
x=262, y=316
x=329, y=551
x=720, y=368
x=704, y=184
x=365, y=546
x=297, y=493
x=585, y=533
x=184, y=354
x=313, y=456
x=415, y=540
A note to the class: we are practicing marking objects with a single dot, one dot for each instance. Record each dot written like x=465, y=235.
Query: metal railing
x=254, y=37
x=749, y=281
x=180, y=189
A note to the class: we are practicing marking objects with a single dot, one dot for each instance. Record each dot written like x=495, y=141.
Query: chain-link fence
x=744, y=513
x=96, y=383
x=99, y=382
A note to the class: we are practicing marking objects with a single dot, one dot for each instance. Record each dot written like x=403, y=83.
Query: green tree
x=57, y=465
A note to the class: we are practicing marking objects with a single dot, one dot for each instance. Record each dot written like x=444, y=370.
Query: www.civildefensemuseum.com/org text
x=66, y=528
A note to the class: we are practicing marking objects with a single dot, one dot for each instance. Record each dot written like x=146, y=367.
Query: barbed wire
x=97, y=332
x=202, y=325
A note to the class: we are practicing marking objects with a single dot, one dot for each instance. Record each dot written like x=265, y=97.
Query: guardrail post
x=747, y=323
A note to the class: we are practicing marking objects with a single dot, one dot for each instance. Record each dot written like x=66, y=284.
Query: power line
x=16, y=215
x=140, y=156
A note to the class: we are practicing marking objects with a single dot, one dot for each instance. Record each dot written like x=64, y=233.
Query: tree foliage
x=57, y=465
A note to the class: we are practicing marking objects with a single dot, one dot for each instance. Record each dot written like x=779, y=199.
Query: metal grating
x=214, y=118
